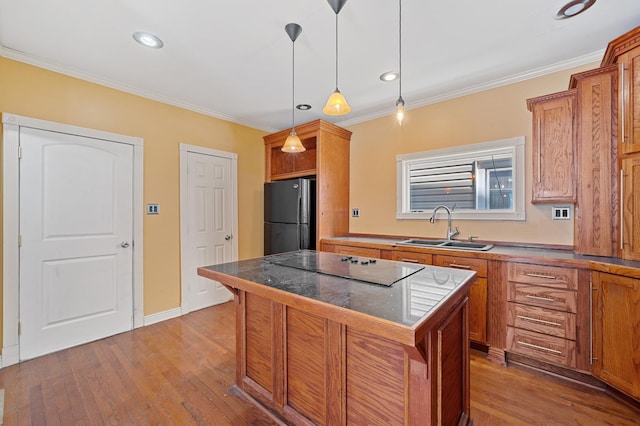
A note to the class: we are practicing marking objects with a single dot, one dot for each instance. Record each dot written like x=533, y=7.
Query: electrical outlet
x=355, y=212
x=153, y=208
x=561, y=213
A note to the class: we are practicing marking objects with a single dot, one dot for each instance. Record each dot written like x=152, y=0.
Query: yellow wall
x=34, y=92
x=490, y=115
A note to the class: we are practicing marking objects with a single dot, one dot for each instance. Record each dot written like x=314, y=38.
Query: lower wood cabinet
x=616, y=331
x=351, y=250
x=542, y=303
x=477, y=294
x=412, y=257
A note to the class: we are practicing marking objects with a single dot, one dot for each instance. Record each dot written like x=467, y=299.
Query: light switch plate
x=355, y=212
x=153, y=208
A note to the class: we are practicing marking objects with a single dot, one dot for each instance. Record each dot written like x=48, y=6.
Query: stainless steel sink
x=447, y=244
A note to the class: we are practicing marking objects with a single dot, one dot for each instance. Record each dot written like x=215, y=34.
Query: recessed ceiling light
x=573, y=8
x=389, y=76
x=147, y=39
x=303, y=107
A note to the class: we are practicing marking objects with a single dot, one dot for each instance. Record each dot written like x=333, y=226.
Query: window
x=484, y=181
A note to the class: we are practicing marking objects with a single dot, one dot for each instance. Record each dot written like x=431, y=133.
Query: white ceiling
x=232, y=59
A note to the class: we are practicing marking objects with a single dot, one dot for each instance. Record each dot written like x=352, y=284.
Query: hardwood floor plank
x=181, y=372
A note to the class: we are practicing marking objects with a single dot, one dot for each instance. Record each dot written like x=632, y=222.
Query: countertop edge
x=403, y=334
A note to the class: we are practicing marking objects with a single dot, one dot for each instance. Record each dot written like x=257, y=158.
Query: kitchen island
x=328, y=339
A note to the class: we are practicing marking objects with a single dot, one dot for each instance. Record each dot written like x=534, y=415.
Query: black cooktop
x=376, y=271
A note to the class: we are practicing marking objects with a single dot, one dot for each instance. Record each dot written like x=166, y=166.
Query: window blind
x=431, y=184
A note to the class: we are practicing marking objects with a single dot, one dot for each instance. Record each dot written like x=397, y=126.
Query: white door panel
x=76, y=211
x=210, y=225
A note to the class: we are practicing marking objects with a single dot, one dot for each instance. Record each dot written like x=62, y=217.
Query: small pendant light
x=400, y=101
x=336, y=104
x=293, y=143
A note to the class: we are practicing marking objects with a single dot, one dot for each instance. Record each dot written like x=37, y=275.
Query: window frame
x=515, y=145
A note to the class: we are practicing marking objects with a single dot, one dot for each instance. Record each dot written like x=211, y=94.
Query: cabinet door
x=630, y=208
x=477, y=293
x=616, y=331
x=596, y=212
x=553, y=167
x=629, y=108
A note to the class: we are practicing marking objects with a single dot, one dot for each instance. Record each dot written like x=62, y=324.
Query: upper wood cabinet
x=625, y=53
x=596, y=212
x=630, y=207
x=326, y=158
x=616, y=331
x=553, y=148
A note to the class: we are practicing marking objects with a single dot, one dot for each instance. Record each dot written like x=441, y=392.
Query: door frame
x=11, y=222
x=184, y=212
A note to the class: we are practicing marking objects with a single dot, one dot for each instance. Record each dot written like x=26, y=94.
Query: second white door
x=210, y=225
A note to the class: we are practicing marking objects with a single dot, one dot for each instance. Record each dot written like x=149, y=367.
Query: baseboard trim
x=10, y=356
x=162, y=316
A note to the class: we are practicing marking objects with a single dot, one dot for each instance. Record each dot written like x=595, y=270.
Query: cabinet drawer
x=478, y=265
x=545, y=297
x=542, y=346
x=357, y=251
x=412, y=257
x=550, y=276
x=541, y=320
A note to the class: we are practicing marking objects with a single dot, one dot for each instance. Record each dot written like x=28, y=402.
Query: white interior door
x=76, y=227
x=210, y=225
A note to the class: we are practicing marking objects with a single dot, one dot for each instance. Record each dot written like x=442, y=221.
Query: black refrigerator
x=289, y=215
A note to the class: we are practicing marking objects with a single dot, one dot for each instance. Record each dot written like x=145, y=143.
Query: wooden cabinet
x=326, y=158
x=624, y=52
x=412, y=257
x=541, y=312
x=351, y=250
x=629, y=107
x=630, y=207
x=596, y=221
x=616, y=331
x=553, y=148
x=477, y=294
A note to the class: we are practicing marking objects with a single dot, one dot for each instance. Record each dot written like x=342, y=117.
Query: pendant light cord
x=336, y=51
x=400, y=49
x=293, y=85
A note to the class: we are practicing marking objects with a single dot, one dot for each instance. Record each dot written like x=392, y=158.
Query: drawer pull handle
x=455, y=265
x=522, y=317
x=411, y=260
x=548, y=277
x=544, y=299
x=541, y=348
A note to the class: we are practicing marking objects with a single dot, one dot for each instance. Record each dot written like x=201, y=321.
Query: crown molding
x=515, y=78
x=72, y=72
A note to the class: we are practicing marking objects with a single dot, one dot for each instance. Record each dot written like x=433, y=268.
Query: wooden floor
x=179, y=372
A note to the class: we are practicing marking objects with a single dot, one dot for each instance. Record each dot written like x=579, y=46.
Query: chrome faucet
x=450, y=234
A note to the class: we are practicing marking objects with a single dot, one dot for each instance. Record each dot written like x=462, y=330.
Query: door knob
x=227, y=237
x=124, y=244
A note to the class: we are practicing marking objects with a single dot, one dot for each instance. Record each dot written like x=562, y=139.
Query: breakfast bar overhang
x=329, y=339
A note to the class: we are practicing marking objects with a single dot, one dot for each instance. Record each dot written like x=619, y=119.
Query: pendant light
x=400, y=101
x=293, y=143
x=336, y=104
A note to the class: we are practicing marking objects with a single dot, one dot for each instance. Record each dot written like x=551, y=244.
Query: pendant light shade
x=293, y=142
x=336, y=104
x=400, y=101
x=400, y=110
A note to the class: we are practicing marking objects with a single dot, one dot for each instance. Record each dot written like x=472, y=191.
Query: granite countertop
x=406, y=302
x=506, y=252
